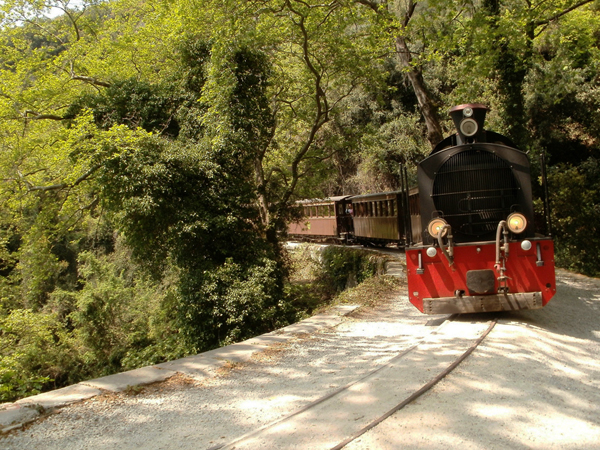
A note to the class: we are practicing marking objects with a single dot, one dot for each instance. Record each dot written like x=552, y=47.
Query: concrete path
x=15, y=415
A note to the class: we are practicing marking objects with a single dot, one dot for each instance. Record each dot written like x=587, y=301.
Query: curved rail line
x=346, y=387
x=421, y=391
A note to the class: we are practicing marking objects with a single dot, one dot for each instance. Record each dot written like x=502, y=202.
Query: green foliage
x=30, y=356
x=319, y=276
x=342, y=267
x=148, y=169
x=575, y=204
x=121, y=319
x=130, y=102
x=232, y=302
x=192, y=203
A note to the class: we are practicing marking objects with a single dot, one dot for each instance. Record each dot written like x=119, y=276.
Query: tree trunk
x=426, y=103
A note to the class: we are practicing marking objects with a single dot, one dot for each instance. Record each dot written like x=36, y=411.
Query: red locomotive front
x=480, y=250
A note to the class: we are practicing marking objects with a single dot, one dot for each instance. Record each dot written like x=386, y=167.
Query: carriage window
x=385, y=208
x=393, y=207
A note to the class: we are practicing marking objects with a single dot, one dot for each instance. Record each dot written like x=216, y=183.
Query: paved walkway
x=21, y=412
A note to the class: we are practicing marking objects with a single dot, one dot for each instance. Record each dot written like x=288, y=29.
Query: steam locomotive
x=468, y=228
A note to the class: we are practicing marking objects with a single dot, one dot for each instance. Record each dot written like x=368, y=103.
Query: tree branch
x=60, y=186
x=320, y=98
x=90, y=80
x=562, y=13
x=32, y=115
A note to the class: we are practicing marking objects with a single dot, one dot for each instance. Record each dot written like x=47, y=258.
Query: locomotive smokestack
x=469, y=120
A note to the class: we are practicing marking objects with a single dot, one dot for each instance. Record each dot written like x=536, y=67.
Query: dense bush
x=232, y=302
x=575, y=202
x=29, y=352
x=118, y=320
x=342, y=267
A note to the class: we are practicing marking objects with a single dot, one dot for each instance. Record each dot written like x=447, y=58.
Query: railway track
x=340, y=417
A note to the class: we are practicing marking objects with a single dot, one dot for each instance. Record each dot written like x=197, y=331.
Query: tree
x=398, y=17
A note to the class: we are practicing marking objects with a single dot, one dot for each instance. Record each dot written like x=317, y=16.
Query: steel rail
x=420, y=392
x=334, y=393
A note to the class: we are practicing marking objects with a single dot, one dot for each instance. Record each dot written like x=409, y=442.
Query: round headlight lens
x=468, y=127
x=516, y=223
x=468, y=112
x=437, y=225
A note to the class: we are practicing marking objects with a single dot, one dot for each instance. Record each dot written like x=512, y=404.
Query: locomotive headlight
x=431, y=252
x=469, y=127
x=437, y=225
x=526, y=245
x=516, y=223
x=468, y=112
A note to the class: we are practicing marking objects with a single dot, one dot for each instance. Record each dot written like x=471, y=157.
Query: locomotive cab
x=479, y=250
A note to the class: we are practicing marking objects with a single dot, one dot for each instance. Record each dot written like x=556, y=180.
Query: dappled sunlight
x=532, y=384
x=268, y=402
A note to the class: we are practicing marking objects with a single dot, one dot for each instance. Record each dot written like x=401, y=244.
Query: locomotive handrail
x=501, y=228
x=449, y=254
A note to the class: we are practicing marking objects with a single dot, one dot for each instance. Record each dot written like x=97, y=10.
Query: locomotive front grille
x=474, y=190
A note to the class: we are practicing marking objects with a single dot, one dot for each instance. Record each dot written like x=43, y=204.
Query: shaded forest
x=151, y=153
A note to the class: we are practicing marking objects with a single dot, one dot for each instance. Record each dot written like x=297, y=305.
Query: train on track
x=467, y=227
